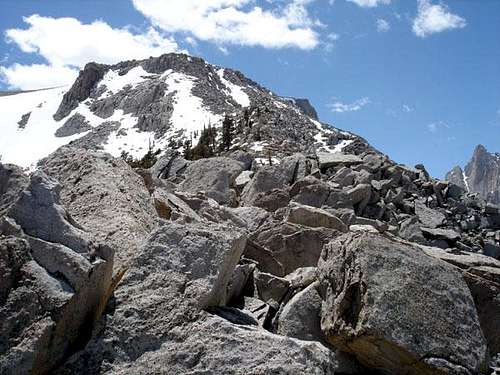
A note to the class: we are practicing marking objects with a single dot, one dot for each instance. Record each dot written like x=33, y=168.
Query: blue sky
x=419, y=79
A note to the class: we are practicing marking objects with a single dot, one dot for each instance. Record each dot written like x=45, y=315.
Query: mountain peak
x=163, y=103
x=481, y=175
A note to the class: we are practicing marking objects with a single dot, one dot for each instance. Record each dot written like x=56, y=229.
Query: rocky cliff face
x=299, y=249
x=481, y=175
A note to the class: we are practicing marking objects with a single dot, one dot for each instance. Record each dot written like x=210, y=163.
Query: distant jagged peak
x=481, y=175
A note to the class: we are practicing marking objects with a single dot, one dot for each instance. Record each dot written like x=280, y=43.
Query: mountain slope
x=481, y=175
x=160, y=103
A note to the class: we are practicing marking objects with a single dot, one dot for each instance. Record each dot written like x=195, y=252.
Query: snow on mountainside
x=159, y=102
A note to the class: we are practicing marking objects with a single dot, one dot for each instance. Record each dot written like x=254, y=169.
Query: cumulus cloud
x=435, y=18
x=383, y=26
x=340, y=107
x=35, y=76
x=235, y=22
x=66, y=45
x=370, y=3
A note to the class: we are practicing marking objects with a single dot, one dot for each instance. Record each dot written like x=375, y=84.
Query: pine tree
x=227, y=133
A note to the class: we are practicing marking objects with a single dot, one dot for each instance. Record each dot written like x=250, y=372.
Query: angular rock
x=215, y=176
x=105, y=196
x=397, y=310
x=76, y=124
x=12, y=182
x=448, y=235
x=48, y=303
x=270, y=288
x=272, y=200
x=40, y=214
x=428, y=217
x=327, y=159
x=282, y=248
x=266, y=179
x=300, y=318
x=482, y=274
x=314, y=217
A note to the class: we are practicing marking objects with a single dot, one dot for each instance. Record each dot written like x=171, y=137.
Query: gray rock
x=272, y=200
x=215, y=176
x=81, y=89
x=314, y=217
x=169, y=166
x=327, y=160
x=200, y=348
x=76, y=124
x=302, y=277
x=106, y=197
x=40, y=214
x=410, y=230
x=381, y=294
x=48, y=302
x=441, y=234
x=428, y=217
x=270, y=288
x=24, y=120
x=300, y=318
x=281, y=248
x=12, y=183
x=310, y=191
x=482, y=274
x=252, y=216
x=267, y=178
x=243, y=178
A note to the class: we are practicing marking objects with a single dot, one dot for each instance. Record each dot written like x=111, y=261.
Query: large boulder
x=106, y=196
x=334, y=159
x=280, y=248
x=301, y=316
x=181, y=269
x=40, y=214
x=55, y=281
x=214, y=346
x=215, y=176
x=397, y=309
x=314, y=217
x=482, y=274
x=267, y=178
x=12, y=182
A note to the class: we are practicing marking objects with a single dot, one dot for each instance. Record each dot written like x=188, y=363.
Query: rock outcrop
x=55, y=279
x=481, y=175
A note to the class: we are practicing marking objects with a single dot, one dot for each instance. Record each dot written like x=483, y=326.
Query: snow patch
x=25, y=147
x=189, y=112
x=115, y=82
x=235, y=91
x=130, y=139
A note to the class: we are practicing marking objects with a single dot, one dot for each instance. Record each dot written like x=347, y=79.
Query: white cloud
x=340, y=107
x=383, y=26
x=67, y=45
x=235, y=22
x=437, y=126
x=28, y=77
x=370, y=3
x=435, y=18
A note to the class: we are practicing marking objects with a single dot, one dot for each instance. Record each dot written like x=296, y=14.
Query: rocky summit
x=481, y=175
x=178, y=218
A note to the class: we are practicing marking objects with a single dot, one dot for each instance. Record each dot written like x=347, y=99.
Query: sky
x=419, y=79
